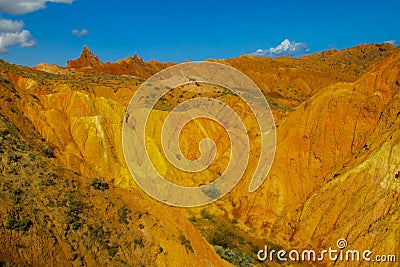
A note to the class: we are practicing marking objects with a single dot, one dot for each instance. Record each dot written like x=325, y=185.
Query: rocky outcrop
x=87, y=60
x=134, y=66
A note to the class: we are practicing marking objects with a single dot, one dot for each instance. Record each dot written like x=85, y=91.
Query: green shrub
x=204, y=213
x=222, y=236
x=112, y=250
x=23, y=225
x=99, y=184
x=192, y=218
x=48, y=152
x=11, y=223
x=75, y=225
x=73, y=214
x=138, y=242
x=17, y=195
x=123, y=215
x=185, y=242
x=234, y=256
x=100, y=235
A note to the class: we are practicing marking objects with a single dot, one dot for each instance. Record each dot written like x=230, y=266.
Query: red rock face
x=85, y=60
x=135, y=66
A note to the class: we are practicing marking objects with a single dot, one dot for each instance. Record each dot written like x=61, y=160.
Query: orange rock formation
x=335, y=174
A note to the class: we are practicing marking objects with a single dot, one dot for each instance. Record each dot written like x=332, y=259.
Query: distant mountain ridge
x=285, y=81
x=88, y=62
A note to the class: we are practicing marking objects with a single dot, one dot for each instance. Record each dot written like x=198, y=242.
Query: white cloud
x=80, y=33
x=19, y=7
x=393, y=42
x=22, y=38
x=285, y=48
x=11, y=31
x=7, y=25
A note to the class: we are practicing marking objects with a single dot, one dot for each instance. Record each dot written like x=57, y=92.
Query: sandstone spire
x=86, y=60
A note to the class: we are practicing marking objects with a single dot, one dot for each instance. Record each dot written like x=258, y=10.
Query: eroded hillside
x=58, y=208
x=335, y=173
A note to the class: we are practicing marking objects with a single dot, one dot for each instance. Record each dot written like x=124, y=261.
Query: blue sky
x=187, y=30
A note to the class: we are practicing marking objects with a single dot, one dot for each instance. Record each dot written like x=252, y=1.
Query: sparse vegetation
x=11, y=223
x=5, y=133
x=192, y=218
x=99, y=235
x=112, y=250
x=139, y=214
x=99, y=184
x=123, y=215
x=48, y=151
x=234, y=256
x=14, y=159
x=74, y=210
x=222, y=236
x=102, y=238
x=228, y=240
x=206, y=215
x=50, y=180
x=16, y=195
x=138, y=242
x=23, y=225
x=185, y=242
